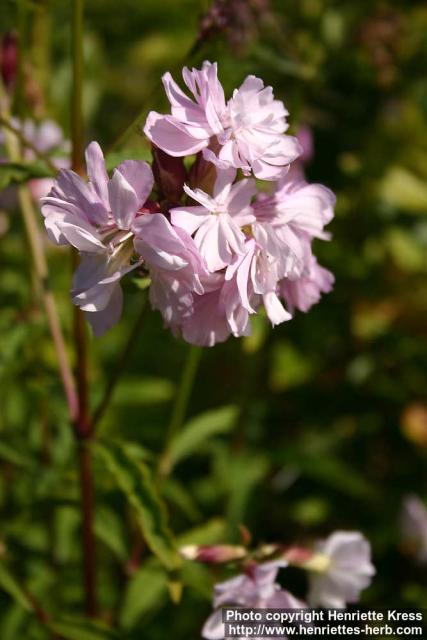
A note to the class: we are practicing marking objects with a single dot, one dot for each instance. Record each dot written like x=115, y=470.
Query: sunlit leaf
x=199, y=430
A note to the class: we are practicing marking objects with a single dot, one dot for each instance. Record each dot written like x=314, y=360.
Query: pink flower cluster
x=216, y=250
x=339, y=569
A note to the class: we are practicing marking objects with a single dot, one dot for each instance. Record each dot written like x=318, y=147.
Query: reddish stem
x=87, y=498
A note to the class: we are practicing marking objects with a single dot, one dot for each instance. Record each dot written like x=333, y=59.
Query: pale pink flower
x=96, y=217
x=296, y=212
x=256, y=589
x=247, y=132
x=414, y=525
x=254, y=277
x=176, y=267
x=207, y=324
x=348, y=570
x=304, y=292
x=218, y=219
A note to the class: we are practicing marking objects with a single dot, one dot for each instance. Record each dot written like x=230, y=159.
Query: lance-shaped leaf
x=80, y=629
x=146, y=592
x=16, y=173
x=199, y=429
x=13, y=588
x=135, y=480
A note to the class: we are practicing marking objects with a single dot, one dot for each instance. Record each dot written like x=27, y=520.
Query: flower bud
x=9, y=59
x=202, y=174
x=169, y=174
x=213, y=554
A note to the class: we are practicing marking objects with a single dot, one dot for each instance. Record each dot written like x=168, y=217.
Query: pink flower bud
x=214, y=554
x=9, y=59
x=169, y=174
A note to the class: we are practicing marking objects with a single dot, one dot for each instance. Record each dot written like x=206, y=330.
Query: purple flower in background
x=346, y=572
x=247, y=132
x=47, y=137
x=96, y=217
x=414, y=526
x=256, y=589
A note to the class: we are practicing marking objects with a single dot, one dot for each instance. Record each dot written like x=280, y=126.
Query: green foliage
x=136, y=482
x=198, y=431
x=10, y=585
x=71, y=629
x=12, y=173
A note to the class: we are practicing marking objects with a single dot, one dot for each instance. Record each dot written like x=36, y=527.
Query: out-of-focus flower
x=414, y=526
x=96, y=218
x=256, y=588
x=413, y=423
x=247, y=132
x=346, y=572
x=237, y=19
x=48, y=138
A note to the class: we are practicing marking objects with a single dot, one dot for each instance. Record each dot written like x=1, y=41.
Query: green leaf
x=16, y=173
x=200, y=429
x=176, y=494
x=74, y=629
x=8, y=453
x=11, y=586
x=403, y=189
x=135, y=480
x=143, y=391
x=212, y=532
x=108, y=528
x=289, y=368
x=145, y=592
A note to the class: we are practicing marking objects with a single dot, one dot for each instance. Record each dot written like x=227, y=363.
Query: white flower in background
x=414, y=526
x=347, y=570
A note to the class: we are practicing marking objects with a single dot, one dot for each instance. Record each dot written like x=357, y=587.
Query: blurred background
x=317, y=425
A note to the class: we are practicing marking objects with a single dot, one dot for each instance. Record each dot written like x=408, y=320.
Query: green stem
x=119, y=366
x=40, y=267
x=180, y=406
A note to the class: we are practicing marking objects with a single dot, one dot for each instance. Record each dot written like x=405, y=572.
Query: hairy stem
x=180, y=405
x=119, y=366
